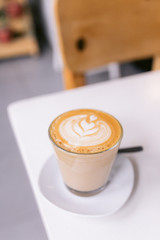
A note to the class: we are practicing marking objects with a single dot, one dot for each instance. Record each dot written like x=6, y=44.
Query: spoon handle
x=130, y=149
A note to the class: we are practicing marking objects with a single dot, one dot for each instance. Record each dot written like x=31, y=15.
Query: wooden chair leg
x=156, y=63
x=72, y=80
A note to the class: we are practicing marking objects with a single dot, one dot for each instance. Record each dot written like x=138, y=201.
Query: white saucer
x=111, y=199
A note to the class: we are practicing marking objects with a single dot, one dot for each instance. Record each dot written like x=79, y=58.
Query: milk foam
x=84, y=130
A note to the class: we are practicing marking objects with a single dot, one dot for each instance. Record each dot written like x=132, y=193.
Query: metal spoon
x=130, y=149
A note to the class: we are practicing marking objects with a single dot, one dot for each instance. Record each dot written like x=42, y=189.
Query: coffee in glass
x=86, y=142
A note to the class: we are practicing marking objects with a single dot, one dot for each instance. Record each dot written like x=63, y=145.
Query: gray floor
x=19, y=79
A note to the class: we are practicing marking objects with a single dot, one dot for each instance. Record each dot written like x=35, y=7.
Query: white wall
x=48, y=14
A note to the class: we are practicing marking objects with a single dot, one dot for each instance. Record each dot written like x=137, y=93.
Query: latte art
x=78, y=131
x=85, y=131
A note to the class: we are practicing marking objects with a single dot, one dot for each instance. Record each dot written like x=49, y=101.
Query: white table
x=135, y=101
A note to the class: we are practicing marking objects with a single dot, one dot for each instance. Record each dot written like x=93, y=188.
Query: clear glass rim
x=90, y=153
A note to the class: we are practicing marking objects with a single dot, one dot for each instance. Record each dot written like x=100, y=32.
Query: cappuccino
x=86, y=142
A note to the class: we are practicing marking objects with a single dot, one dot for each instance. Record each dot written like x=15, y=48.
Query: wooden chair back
x=94, y=33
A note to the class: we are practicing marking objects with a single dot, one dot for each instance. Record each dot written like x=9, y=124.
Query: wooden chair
x=94, y=33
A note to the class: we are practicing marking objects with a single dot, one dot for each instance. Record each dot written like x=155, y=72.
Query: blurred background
x=30, y=65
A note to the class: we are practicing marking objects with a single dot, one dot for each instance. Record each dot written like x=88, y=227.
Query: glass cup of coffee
x=86, y=143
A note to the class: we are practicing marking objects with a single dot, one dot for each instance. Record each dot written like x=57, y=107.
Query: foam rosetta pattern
x=84, y=130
